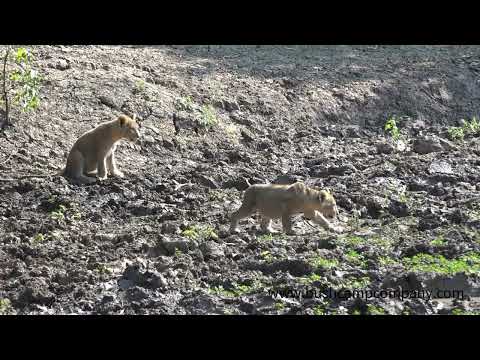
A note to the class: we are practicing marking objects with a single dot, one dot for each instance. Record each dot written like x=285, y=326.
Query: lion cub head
x=327, y=204
x=129, y=128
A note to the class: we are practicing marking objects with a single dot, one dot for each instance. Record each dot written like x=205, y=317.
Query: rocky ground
x=214, y=118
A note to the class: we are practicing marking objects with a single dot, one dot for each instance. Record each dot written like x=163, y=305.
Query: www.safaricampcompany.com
x=368, y=294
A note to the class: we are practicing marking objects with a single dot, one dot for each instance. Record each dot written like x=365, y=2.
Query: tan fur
x=94, y=151
x=283, y=201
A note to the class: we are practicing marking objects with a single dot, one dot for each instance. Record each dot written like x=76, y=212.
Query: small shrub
x=185, y=103
x=455, y=133
x=208, y=117
x=197, y=232
x=392, y=129
x=5, y=306
x=23, y=82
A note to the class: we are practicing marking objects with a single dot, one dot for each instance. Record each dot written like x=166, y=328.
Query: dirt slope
x=215, y=118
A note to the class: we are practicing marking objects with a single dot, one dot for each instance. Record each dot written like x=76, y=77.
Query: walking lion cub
x=282, y=201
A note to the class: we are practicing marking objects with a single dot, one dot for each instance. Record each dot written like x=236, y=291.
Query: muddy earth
x=215, y=119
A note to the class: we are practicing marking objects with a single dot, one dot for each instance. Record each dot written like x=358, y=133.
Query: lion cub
x=94, y=151
x=283, y=201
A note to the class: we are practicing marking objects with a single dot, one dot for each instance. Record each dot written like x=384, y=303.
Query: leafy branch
x=22, y=80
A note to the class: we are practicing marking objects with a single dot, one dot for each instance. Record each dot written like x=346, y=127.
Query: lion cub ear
x=122, y=120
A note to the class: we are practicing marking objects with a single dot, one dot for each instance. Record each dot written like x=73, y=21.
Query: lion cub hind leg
x=287, y=223
x=76, y=167
x=245, y=210
x=266, y=225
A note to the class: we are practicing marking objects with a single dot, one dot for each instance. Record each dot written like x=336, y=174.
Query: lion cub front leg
x=112, y=166
x=102, y=168
x=287, y=223
x=321, y=220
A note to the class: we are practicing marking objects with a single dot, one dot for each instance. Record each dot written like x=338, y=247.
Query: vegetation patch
x=469, y=264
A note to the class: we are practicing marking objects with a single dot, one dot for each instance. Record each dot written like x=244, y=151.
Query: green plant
x=103, y=269
x=139, y=86
x=472, y=127
x=208, y=116
x=23, y=82
x=178, y=253
x=321, y=262
x=271, y=236
x=391, y=128
x=5, y=306
x=319, y=310
x=265, y=237
x=279, y=306
x=458, y=311
x=235, y=290
x=438, y=241
x=39, y=238
x=59, y=214
x=386, y=261
x=403, y=198
x=354, y=240
x=355, y=258
x=197, y=232
x=375, y=310
x=307, y=280
x=355, y=283
x=456, y=133
x=468, y=263
x=265, y=255
x=185, y=103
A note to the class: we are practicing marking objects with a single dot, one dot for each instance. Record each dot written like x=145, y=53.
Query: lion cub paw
x=234, y=231
x=119, y=174
x=337, y=229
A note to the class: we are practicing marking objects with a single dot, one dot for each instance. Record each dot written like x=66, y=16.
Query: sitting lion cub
x=283, y=201
x=94, y=151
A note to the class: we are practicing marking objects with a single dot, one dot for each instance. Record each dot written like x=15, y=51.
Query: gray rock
x=169, y=227
x=441, y=166
x=241, y=118
x=427, y=144
x=385, y=148
x=62, y=64
x=136, y=294
x=286, y=179
x=208, y=182
x=185, y=121
x=375, y=206
x=325, y=170
x=211, y=250
x=157, y=280
x=171, y=245
x=168, y=144
x=447, y=145
x=240, y=184
x=109, y=101
x=148, y=139
x=247, y=135
x=398, y=208
x=124, y=284
x=230, y=105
